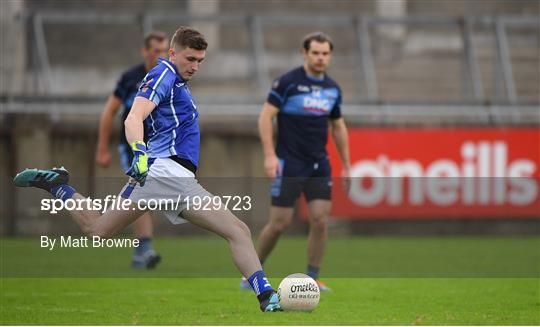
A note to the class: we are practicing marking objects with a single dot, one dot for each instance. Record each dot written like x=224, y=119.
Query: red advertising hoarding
x=440, y=173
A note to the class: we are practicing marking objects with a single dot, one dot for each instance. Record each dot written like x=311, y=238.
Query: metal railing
x=368, y=86
x=401, y=114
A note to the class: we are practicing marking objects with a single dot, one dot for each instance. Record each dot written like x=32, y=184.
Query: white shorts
x=167, y=180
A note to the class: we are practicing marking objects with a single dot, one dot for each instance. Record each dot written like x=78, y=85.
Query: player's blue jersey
x=305, y=105
x=126, y=89
x=174, y=123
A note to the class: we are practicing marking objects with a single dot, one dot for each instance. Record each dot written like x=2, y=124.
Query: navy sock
x=259, y=283
x=63, y=192
x=313, y=272
x=145, y=244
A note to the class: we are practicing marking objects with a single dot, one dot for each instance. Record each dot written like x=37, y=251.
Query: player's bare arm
x=266, y=132
x=341, y=140
x=142, y=107
x=134, y=126
x=103, y=156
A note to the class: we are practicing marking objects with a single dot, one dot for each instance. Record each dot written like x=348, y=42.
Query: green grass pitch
x=406, y=283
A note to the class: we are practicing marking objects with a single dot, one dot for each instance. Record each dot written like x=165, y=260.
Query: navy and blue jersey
x=305, y=104
x=126, y=89
x=174, y=124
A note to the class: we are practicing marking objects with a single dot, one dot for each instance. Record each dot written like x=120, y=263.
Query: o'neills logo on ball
x=298, y=292
x=304, y=288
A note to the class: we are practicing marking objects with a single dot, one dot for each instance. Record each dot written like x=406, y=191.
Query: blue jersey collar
x=171, y=66
x=313, y=78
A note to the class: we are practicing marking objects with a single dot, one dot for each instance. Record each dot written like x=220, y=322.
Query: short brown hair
x=318, y=37
x=153, y=35
x=188, y=37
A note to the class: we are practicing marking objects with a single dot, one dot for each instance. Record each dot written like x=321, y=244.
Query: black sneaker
x=271, y=304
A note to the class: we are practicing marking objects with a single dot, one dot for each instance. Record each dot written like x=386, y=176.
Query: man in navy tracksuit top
x=304, y=100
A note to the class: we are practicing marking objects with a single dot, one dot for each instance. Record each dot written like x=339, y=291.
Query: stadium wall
x=231, y=164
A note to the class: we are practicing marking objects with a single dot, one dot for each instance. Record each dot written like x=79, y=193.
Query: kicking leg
x=91, y=222
x=113, y=221
x=106, y=225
